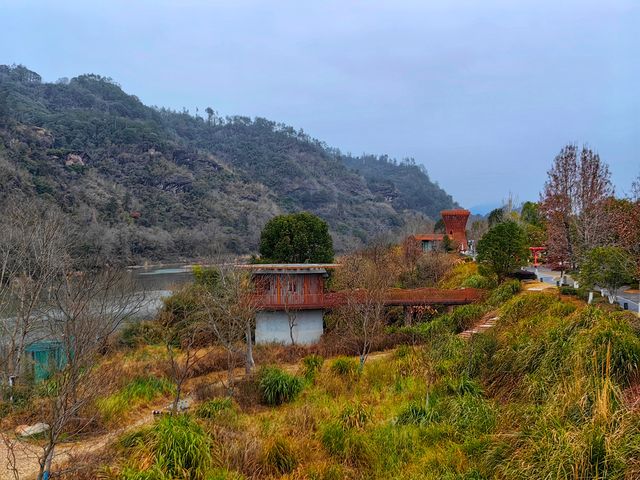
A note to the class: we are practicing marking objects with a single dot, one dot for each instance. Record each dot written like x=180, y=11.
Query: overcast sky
x=483, y=93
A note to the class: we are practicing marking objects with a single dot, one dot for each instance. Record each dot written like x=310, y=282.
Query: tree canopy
x=503, y=249
x=607, y=267
x=296, y=238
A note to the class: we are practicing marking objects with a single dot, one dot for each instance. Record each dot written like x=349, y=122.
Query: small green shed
x=46, y=356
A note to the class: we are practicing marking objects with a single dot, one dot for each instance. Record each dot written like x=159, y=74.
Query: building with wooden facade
x=290, y=299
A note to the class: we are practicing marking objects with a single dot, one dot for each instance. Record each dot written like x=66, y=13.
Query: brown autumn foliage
x=574, y=205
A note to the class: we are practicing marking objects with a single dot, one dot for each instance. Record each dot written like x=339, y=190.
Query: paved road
x=546, y=275
x=632, y=300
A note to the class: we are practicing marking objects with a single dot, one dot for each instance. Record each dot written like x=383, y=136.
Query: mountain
x=150, y=183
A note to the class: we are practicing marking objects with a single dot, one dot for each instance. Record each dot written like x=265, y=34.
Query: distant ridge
x=151, y=183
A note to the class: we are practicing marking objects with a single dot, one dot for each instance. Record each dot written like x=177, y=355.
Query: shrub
x=183, y=306
x=403, y=351
x=311, y=365
x=477, y=281
x=140, y=333
x=459, y=274
x=208, y=277
x=465, y=316
x=568, y=291
x=462, y=385
x=279, y=457
x=181, y=447
x=277, y=386
x=153, y=473
x=503, y=293
x=345, y=367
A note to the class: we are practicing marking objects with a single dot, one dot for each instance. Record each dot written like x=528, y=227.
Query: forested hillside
x=149, y=183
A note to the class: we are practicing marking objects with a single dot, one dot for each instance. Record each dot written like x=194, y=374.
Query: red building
x=455, y=225
x=291, y=301
x=281, y=286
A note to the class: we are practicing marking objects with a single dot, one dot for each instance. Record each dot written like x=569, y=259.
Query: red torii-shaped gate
x=536, y=251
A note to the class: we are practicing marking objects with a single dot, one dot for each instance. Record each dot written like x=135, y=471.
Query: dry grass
x=550, y=392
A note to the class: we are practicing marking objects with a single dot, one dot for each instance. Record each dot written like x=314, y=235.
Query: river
x=157, y=282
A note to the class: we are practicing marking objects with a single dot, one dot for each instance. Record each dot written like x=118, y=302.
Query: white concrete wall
x=274, y=327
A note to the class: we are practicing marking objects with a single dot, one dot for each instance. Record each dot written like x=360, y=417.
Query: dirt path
x=23, y=454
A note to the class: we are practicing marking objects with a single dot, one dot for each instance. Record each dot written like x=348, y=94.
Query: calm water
x=152, y=285
x=156, y=283
x=165, y=277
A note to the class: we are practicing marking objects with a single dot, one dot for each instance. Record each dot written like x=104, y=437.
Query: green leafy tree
x=533, y=224
x=607, y=267
x=495, y=217
x=503, y=249
x=530, y=214
x=296, y=238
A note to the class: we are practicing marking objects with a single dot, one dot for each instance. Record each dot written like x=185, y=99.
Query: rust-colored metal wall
x=455, y=223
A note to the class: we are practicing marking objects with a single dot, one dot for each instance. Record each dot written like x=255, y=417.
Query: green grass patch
x=277, y=386
x=477, y=281
x=345, y=367
x=311, y=366
x=418, y=413
x=351, y=446
x=176, y=446
x=137, y=392
x=212, y=409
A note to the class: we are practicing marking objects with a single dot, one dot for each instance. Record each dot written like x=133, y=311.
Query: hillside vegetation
x=146, y=182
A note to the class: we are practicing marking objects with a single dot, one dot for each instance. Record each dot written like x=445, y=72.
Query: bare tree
x=635, y=189
x=594, y=188
x=557, y=205
x=573, y=203
x=365, y=279
x=428, y=270
x=291, y=297
x=182, y=342
x=229, y=312
x=478, y=229
x=33, y=254
x=89, y=308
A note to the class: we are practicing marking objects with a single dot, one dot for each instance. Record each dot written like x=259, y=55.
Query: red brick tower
x=455, y=223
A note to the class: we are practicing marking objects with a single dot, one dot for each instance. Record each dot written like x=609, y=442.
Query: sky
x=483, y=93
